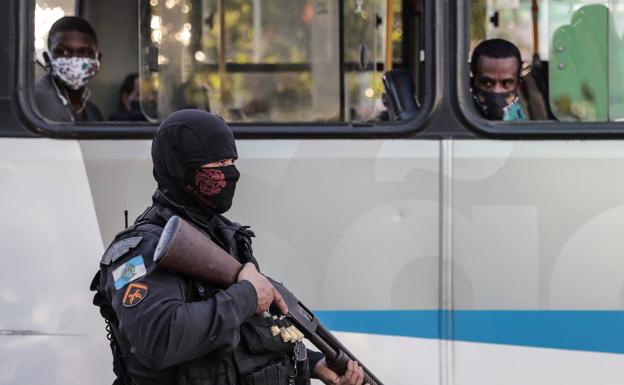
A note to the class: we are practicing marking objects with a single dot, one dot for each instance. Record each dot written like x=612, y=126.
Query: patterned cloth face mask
x=499, y=106
x=75, y=72
x=213, y=187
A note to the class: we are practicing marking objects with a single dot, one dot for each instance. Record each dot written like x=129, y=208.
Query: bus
x=439, y=246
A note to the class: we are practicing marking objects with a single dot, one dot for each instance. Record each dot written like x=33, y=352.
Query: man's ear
x=100, y=56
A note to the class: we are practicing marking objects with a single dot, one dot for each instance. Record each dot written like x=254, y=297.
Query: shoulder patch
x=129, y=271
x=135, y=293
x=118, y=249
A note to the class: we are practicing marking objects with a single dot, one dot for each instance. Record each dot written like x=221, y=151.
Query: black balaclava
x=184, y=142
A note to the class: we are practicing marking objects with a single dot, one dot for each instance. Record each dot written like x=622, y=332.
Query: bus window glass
x=616, y=61
x=46, y=13
x=571, y=51
x=510, y=20
x=362, y=49
x=299, y=61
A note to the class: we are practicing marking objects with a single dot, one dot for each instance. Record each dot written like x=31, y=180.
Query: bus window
x=616, y=61
x=102, y=96
x=572, y=53
x=283, y=61
x=313, y=62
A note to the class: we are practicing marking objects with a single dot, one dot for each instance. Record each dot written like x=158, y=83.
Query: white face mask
x=75, y=72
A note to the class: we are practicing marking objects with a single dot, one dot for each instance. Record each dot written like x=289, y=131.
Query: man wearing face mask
x=71, y=61
x=496, y=66
x=167, y=328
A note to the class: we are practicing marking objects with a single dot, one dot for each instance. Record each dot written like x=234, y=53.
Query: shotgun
x=184, y=249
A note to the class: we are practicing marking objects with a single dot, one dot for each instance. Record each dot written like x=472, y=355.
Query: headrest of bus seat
x=399, y=95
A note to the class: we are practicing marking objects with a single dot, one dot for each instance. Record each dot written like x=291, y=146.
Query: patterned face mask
x=499, y=106
x=213, y=187
x=75, y=72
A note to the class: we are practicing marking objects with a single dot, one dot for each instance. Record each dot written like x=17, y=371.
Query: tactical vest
x=259, y=359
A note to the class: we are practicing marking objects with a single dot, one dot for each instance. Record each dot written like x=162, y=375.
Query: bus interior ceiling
x=116, y=25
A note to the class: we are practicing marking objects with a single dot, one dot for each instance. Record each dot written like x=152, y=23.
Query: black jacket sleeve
x=313, y=358
x=163, y=329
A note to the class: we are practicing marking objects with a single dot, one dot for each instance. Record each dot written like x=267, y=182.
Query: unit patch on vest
x=118, y=249
x=129, y=271
x=135, y=293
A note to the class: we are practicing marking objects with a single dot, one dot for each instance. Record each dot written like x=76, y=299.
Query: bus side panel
x=539, y=261
x=51, y=245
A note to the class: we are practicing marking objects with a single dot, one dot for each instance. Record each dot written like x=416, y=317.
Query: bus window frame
x=511, y=130
x=41, y=126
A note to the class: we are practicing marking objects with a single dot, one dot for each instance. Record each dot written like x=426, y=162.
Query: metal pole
x=257, y=31
x=535, y=13
x=222, y=54
x=341, y=58
x=389, y=24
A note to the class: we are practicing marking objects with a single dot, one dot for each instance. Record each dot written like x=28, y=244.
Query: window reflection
x=277, y=61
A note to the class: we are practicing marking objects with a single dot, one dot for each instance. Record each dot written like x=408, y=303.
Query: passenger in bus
x=495, y=67
x=129, y=109
x=71, y=61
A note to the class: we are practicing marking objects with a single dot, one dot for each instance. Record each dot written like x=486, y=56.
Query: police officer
x=167, y=328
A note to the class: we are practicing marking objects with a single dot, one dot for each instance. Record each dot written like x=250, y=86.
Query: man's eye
x=86, y=53
x=61, y=52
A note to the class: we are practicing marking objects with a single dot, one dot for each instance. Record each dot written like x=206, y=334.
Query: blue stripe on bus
x=597, y=331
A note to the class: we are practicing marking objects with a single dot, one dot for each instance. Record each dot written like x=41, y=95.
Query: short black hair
x=495, y=49
x=71, y=23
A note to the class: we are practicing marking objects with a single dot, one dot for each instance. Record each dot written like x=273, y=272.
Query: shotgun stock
x=184, y=249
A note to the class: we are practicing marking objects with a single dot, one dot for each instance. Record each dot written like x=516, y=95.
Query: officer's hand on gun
x=267, y=294
x=353, y=376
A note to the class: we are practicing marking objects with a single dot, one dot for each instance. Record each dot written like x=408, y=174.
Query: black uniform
x=175, y=329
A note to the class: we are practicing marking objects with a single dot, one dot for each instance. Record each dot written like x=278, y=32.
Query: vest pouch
x=258, y=339
x=276, y=374
x=209, y=370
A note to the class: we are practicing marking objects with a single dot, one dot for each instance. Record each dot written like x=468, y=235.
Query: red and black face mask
x=185, y=141
x=213, y=188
